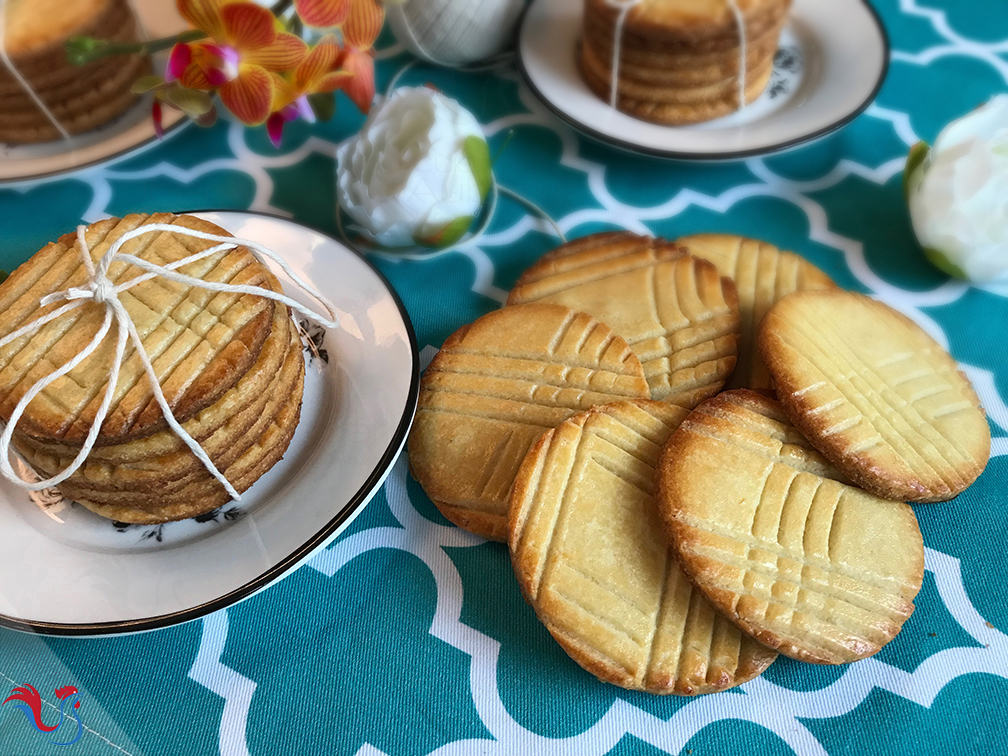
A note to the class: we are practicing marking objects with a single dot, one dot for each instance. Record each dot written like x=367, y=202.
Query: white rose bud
x=417, y=173
x=958, y=194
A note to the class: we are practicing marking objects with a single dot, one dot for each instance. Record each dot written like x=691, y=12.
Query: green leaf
x=918, y=154
x=447, y=235
x=477, y=152
x=147, y=83
x=940, y=261
x=193, y=102
x=323, y=105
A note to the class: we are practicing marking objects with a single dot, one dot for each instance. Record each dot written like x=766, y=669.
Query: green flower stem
x=83, y=50
x=280, y=7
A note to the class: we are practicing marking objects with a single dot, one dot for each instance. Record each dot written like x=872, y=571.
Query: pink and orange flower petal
x=363, y=23
x=250, y=95
x=323, y=14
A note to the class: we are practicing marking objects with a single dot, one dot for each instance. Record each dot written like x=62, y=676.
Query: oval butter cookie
x=763, y=275
x=493, y=389
x=876, y=395
x=588, y=550
x=678, y=315
x=771, y=534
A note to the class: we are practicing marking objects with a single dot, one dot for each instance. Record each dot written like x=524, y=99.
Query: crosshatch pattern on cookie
x=876, y=395
x=493, y=389
x=589, y=553
x=679, y=317
x=162, y=473
x=763, y=275
x=200, y=342
x=769, y=531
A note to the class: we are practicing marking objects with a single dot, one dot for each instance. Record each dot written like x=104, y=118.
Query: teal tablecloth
x=409, y=636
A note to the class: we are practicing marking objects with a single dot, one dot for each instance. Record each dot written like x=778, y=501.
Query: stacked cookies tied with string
x=43, y=96
x=228, y=363
x=699, y=454
x=677, y=62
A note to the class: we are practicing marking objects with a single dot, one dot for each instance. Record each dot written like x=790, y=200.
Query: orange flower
x=246, y=49
x=317, y=73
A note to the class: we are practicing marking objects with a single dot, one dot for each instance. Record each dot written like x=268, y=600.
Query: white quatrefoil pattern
x=409, y=636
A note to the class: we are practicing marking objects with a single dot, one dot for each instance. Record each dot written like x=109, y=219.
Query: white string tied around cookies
x=625, y=6
x=102, y=290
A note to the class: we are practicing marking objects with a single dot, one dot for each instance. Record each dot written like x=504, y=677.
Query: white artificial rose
x=958, y=195
x=417, y=173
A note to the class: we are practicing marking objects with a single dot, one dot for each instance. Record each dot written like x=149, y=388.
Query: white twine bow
x=102, y=290
x=625, y=6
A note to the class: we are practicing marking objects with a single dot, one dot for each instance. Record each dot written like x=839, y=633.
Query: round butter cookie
x=678, y=61
x=54, y=79
x=775, y=538
x=252, y=389
x=763, y=275
x=678, y=315
x=159, y=475
x=875, y=394
x=493, y=389
x=630, y=87
x=703, y=73
x=87, y=104
x=677, y=113
x=688, y=22
x=39, y=28
x=588, y=550
x=200, y=498
x=200, y=342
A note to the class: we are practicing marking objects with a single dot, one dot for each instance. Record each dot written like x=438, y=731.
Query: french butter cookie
x=875, y=394
x=588, y=550
x=676, y=312
x=494, y=388
x=763, y=275
x=777, y=539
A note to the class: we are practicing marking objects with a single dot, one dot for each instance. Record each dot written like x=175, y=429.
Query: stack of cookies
x=230, y=366
x=79, y=97
x=674, y=537
x=680, y=62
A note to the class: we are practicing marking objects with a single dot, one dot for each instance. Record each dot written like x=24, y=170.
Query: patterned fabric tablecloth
x=408, y=636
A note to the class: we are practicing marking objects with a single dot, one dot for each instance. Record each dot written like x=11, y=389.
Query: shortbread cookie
x=678, y=315
x=675, y=113
x=775, y=538
x=161, y=474
x=205, y=497
x=762, y=274
x=39, y=27
x=588, y=550
x=875, y=394
x=200, y=342
x=717, y=64
x=493, y=389
x=687, y=22
x=251, y=389
x=671, y=93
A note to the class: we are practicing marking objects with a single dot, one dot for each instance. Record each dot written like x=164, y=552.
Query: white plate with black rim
x=122, y=135
x=832, y=60
x=66, y=571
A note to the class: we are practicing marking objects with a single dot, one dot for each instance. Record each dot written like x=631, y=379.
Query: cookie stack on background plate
x=80, y=97
x=674, y=537
x=680, y=62
x=230, y=366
